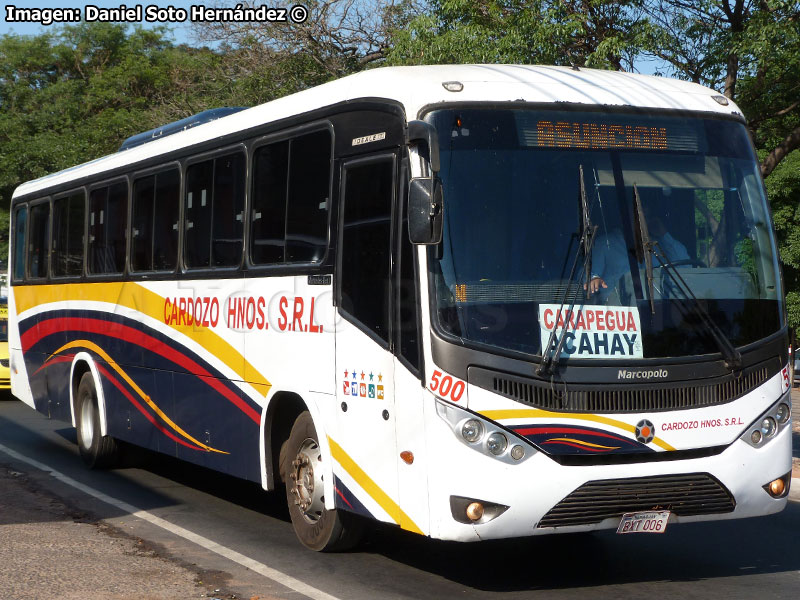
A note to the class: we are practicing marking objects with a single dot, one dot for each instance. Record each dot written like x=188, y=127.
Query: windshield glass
x=511, y=250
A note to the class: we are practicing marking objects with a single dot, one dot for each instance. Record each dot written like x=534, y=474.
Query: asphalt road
x=734, y=559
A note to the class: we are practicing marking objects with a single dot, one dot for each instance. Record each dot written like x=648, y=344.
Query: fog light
x=783, y=413
x=517, y=452
x=768, y=427
x=777, y=487
x=756, y=436
x=472, y=430
x=496, y=443
x=475, y=511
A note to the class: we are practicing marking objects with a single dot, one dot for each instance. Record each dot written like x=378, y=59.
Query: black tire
x=97, y=451
x=316, y=527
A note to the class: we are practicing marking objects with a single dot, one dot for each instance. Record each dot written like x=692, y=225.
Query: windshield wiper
x=551, y=354
x=649, y=248
x=644, y=245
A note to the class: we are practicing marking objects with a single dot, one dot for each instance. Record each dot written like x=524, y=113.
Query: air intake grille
x=684, y=495
x=616, y=398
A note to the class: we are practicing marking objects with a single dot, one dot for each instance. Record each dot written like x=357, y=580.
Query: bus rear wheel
x=97, y=451
x=301, y=467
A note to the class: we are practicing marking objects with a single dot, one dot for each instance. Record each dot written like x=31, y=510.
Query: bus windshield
x=511, y=254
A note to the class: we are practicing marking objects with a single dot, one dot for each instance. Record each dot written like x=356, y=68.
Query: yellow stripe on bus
x=112, y=363
x=582, y=443
x=525, y=413
x=136, y=297
x=372, y=488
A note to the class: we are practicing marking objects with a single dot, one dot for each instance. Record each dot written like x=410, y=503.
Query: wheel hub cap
x=306, y=481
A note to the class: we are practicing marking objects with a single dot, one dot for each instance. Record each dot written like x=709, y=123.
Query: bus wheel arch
x=280, y=415
x=81, y=364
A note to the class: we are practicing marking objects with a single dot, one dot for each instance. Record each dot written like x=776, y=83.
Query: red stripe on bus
x=141, y=409
x=134, y=336
x=341, y=495
x=55, y=360
x=548, y=430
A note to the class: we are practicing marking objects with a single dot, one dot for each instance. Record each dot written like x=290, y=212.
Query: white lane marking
x=260, y=568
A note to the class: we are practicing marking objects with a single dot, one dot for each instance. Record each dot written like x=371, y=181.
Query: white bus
x=472, y=301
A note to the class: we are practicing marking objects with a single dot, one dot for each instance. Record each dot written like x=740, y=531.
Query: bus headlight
x=472, y=431
x=496, y=443
x=768, y=425
x=783, y=413
x=488, y=438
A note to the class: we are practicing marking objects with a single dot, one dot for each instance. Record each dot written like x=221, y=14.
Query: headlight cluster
x=483, y=436
x=768, y=425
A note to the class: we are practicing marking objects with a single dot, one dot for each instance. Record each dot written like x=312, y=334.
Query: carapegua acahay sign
x=600, y=332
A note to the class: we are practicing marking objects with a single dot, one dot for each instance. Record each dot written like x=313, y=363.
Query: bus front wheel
x=301, y=467
x=97, y=451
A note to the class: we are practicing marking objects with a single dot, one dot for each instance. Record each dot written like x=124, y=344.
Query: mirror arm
x=420, y=131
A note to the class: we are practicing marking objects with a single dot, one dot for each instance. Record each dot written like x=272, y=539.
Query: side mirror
x=425, y=193
x=425, y=210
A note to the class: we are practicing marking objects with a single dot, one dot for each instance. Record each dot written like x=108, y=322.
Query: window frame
x=377, y=157
x=31, y=205
x=141, y=174
x=55, y=198
x=13, y=243
x=187, y=163
x=273, y=138
x=89, y=189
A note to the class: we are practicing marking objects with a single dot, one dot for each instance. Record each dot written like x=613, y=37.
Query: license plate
x=644, y=522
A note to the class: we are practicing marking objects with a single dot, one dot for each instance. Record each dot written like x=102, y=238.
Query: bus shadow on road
x=691, y=552
x=136, y=482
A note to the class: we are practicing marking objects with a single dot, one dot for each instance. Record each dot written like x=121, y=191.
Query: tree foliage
x=591, y=33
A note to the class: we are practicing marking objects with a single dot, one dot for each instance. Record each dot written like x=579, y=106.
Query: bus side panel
x=128, y=417
x=160, y=393
x=229, y=437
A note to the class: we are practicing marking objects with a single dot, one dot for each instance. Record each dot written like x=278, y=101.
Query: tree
x=748, y=49
x=74, y=94
x=267, y=60
x=591, y=33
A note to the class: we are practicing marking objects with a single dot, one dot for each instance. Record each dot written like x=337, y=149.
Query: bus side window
x=166, y=213
x=142, y=234
x=268, y=219
x=68, y=222
x=20, y=220
x=108, y=218
x=308, y=203
x=228, y=209
x=215, y=212
x=197, y=203
x=408, y=305
x=39, y=240
x=366, y=261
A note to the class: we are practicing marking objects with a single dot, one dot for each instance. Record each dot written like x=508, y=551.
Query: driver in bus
x=610, y=261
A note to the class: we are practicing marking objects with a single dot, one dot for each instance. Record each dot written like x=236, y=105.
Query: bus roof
x=416, y=87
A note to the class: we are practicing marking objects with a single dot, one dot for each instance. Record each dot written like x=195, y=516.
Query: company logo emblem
x=645, y=431
x=653, y=374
